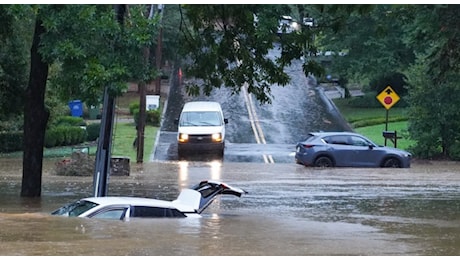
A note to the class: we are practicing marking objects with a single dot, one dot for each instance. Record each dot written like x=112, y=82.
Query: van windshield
x=202, y=118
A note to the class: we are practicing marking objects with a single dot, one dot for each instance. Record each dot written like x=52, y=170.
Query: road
x=258, y=132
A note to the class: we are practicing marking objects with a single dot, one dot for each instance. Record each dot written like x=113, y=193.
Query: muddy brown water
x=289, y=210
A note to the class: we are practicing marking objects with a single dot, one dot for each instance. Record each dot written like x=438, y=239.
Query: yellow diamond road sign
x=388, y=97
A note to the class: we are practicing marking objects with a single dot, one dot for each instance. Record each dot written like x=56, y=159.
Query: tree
x=373, y=46
x=227, y=45
x=433, y=79
x=15, y=37
x=35, y=119
x=93, y=51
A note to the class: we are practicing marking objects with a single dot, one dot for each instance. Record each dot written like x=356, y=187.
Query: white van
x=201, y=127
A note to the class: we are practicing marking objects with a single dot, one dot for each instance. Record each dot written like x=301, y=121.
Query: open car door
x=208, y=191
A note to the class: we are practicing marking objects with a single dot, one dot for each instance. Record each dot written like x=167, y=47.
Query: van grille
x=200, y=139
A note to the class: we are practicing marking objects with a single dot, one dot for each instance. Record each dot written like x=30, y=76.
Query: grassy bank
x=124, y=136
x=371, y=122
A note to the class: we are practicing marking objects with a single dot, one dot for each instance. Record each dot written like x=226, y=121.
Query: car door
x=120, y=212
x=363, y=153
x=340, y=150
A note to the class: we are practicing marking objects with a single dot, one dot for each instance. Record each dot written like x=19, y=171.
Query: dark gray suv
x=347, y=149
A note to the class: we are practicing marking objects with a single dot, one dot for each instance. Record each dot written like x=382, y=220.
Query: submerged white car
x=190, y=203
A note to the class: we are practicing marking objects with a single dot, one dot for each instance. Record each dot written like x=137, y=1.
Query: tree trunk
x=35, y=120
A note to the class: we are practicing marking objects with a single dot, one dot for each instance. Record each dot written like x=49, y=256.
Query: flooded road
x=289, y=210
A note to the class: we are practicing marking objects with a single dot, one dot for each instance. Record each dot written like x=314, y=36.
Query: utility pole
x=140, y=127
x=158, y=52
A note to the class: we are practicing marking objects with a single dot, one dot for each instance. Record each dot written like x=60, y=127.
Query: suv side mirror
x=226, y=120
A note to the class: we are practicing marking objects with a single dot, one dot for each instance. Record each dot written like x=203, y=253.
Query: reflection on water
x=289, y=210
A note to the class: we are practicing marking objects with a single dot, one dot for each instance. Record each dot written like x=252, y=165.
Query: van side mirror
x=226, y=120
x=176, y=121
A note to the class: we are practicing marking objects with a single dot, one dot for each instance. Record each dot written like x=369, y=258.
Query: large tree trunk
x=35, y=120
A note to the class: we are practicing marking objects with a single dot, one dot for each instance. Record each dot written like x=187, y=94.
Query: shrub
x=11, y=141
x=64, y=135
x=51, y=138
x=455, y=151
x=153, y=117
x=133, y=107
x=92, y=131
x=68, y=121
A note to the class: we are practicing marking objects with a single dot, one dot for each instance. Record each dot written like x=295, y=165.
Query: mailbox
x=389, y=134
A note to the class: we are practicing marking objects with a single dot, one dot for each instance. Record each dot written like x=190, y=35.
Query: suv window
x=337, y=139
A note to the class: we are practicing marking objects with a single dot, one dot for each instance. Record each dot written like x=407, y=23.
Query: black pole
x=104, y=147
x=386, y=126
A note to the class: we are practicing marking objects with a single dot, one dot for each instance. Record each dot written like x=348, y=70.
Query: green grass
x=355, y=115
x=124, y=136
x=375, y=134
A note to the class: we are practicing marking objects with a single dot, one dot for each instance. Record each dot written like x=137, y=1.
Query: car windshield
x=74, y=209
x=204, y=118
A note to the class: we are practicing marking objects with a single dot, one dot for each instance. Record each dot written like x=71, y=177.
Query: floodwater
x=289, y=210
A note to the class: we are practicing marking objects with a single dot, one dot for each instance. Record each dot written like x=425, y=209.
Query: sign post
x=387, y=98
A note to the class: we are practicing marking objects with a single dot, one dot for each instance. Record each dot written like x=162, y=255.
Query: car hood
x=395, y=150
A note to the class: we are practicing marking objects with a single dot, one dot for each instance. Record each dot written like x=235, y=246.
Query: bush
x=153, y=117
x=92, y=131
x=133, y=107
x=11, y=141
x=64, y=135
x=455, y=151
x=69, y=121
x=12, y=124
x=51, y=138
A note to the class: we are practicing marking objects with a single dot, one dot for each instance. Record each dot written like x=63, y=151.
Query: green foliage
x=395, y=80
x=375, y=133
x=64, y=135
x=154, y=117
x=228, y=49
x=376, y=121
x=15, y=36
x=69, y=121
x=15, y=123
x=455, y=151
x=374, y=46
x=433, y=110
x=93, y=131
x=93, y=50
x=11, y=141
x=133, y=106
x=125, y=133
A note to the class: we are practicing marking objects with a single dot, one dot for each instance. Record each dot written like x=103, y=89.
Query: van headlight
x=183, y=138
x=217, y=137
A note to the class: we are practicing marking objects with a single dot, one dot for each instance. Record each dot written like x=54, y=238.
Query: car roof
x=138, y=201
x=321, y=134
x=202, y=106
